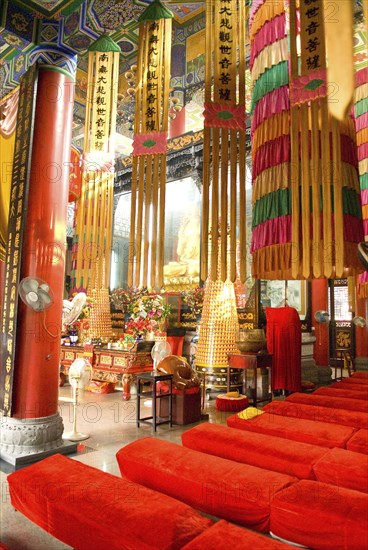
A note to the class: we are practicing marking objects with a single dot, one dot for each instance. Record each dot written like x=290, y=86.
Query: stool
x=231, y=404
x=153, y=378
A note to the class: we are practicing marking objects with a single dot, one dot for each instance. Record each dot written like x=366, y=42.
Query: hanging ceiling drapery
x=271, y=236
x=361, y=127
x=307, y=224
x=146, y=244
x=92, y=248
x=224, y=138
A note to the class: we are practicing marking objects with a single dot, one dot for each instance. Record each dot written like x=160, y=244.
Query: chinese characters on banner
x=92, y=248
x=224, y=142
x=16, y=225
x=147, y=219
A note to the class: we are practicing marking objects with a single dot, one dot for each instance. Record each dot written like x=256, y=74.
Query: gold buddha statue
x=188, y=248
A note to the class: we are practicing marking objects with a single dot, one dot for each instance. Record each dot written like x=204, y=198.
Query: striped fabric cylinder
x=361, y=126
x=271, y=224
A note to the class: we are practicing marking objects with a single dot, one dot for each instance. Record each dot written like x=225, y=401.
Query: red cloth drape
x=176, y=343
x=284, y=341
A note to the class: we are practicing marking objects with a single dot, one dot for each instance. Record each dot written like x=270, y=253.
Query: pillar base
x=31, y=439
x=361, y=363
x=324, y=375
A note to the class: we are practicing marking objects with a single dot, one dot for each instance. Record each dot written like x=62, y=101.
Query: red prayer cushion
x=359, y=442
x=356, y=419
x=328, y=401
x=226, y=535
x=360, y=374
x=356, y=380
x=260, y=450
x=226, y=404
x=345, y=385
x=307, y=431
x=87, y=508
x=342, y=393
x=162, y=387
x=220, y=487
x=343, y=468
x=321, y=516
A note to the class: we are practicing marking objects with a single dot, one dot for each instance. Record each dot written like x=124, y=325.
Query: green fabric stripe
x=155, y=11
x=278, y=204
x=271, y=206
x=351, y=203
x=271, y=79
x=364, y=181
x=361, y=107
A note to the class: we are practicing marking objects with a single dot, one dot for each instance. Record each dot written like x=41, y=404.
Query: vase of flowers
x=122, y=298
x=147, y=314
x=82, y=323
x=193, y=298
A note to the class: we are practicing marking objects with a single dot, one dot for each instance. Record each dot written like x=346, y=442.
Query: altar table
x=109, y=365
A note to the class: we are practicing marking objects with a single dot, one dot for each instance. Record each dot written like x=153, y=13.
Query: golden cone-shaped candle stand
x=217, y=332
x=100, y=317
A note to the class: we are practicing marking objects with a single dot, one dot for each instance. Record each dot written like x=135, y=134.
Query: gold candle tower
x=219, y=323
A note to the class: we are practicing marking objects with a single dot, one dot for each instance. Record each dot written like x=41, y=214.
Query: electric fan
x=35, y=293
x=359, y=321
x=363, y=254
x=80, y=375
x=73, y=308
x=322, y=316
x=159, y=351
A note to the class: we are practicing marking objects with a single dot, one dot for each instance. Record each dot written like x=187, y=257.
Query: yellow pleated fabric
x=6, y=156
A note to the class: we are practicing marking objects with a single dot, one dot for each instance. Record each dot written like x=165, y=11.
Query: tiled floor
x=111, y=423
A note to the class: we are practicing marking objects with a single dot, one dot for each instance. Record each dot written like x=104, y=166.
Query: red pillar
x=321, y=330
x=361, y=334
x=36, y=377
x=177, y=125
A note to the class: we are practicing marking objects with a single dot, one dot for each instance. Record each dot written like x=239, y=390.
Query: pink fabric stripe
x=353, y=229
x=361, y=122
x=363, y=151
x=278, y=231
x=270, y=154
x=270, y=104
x=268, y=34
x=361, y=77
x=274, y=231
x=364, y=277
x=348, y=151
x=365, y=227
x=364, y=196
x=256, y=4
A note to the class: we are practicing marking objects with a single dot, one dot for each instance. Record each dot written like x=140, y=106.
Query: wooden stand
x=249, y=361
x=186, y=408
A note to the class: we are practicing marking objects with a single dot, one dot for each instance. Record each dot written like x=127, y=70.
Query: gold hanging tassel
x=313, y=67
x=339, y=30
x=294, y=140
x=324, y=201
x=94, y=210
x=224, y=139
x=147, y=219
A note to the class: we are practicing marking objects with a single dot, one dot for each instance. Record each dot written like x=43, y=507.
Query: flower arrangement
x=123, y=297
x=147, y=313
x=140, y=326
x=193, y=298
x=82, y=321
